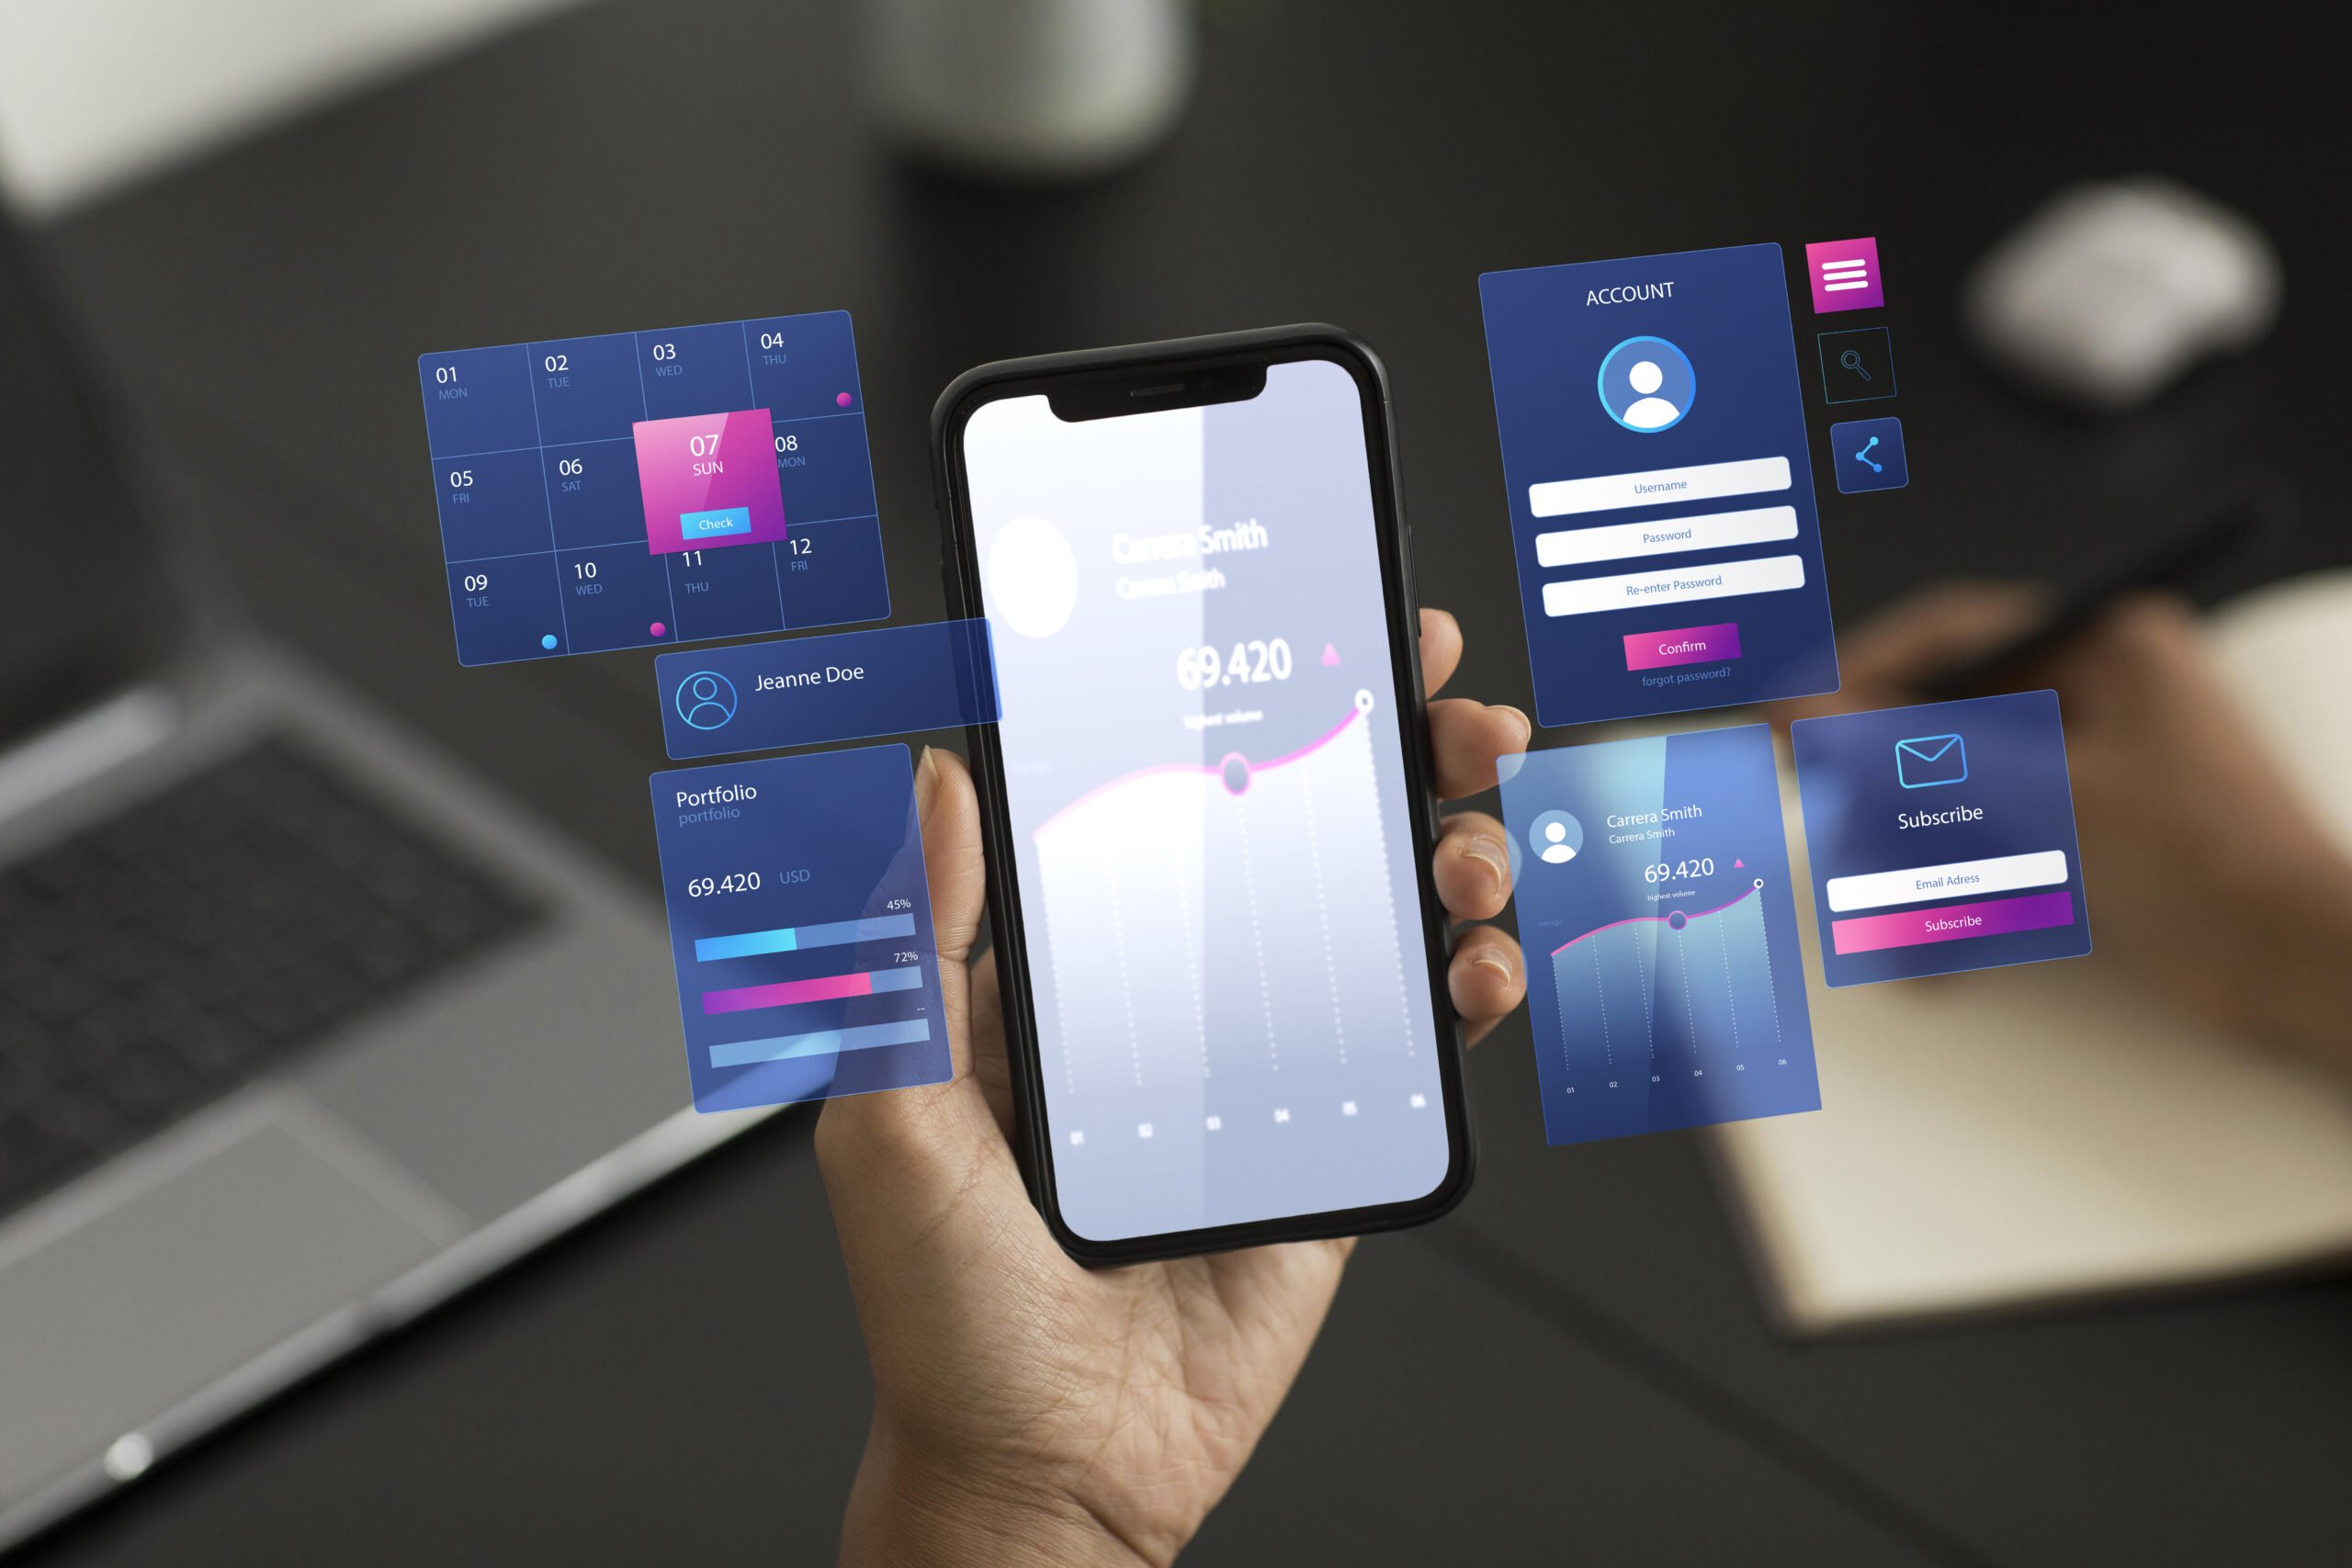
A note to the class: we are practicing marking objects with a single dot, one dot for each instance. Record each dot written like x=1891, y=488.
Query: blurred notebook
x=2056, y=1130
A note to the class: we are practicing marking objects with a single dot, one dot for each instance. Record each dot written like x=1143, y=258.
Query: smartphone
x=1207, y=802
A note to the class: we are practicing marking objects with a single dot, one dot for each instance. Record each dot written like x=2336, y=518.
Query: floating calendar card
x=642, y=489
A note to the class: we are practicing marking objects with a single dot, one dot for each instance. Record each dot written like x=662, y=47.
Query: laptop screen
x=85, y=596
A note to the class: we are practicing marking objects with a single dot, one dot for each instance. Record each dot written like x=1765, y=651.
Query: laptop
x=301, y=1027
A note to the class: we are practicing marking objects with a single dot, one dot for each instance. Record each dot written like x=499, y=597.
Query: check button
x=715, y=525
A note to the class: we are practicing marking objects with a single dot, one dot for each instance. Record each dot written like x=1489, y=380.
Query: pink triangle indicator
x=1330, y=656
x=1738, y=864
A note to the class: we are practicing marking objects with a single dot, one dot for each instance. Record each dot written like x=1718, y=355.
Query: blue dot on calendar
x=548, y=642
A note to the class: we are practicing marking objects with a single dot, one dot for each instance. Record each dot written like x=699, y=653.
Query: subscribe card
x=1664, y=981
x=800, y=926
x=1942, y=838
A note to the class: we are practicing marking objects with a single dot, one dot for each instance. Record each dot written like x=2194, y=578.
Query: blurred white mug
x=1030, y=89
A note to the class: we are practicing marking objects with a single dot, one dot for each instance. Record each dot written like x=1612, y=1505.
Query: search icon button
x=1857, y=366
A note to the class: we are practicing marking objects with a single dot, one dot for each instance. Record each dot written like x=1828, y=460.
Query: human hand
x=2206, y=871
x=1027, y=1408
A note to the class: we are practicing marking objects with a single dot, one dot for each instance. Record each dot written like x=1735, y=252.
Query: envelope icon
x=1925, y=761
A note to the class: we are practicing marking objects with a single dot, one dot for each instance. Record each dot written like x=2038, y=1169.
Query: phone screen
x=1213, y=841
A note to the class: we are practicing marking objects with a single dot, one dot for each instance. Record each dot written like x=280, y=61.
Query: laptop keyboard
x=161, y=958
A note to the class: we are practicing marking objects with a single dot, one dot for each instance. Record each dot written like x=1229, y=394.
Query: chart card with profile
x=1942, y=838
x=1661, y=493
x=1663, y=974
x=800, y=926
x=643, y=489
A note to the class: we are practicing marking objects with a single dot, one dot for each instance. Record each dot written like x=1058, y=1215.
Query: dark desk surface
x=1573, y=1367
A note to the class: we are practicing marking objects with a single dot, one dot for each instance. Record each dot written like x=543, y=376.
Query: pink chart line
x=1210, y=769
x=1637, y=919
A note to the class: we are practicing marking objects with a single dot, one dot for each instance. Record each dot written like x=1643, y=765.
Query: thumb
x=909, y=1150
x=949, y=811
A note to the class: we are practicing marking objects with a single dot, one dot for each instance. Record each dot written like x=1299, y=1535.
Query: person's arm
x=903, y=1510
x=2201, y=865
x=1029, y=1410
x=2295, y=969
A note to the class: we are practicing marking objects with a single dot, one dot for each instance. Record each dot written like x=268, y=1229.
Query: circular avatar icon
x=1647, y=385
x=1033, y=578
x=1556, y=838
x=706, y=699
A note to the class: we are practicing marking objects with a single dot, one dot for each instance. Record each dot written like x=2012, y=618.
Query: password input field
x=1594, y=596
x=1657, y=487
x=1708, y=531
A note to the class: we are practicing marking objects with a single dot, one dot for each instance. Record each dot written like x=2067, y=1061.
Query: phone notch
x=1149, y=389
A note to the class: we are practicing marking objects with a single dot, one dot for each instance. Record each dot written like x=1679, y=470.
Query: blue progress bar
x=792, y=939
x=826, y=1043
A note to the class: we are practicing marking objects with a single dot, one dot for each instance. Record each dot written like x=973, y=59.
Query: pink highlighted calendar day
x=709, y=479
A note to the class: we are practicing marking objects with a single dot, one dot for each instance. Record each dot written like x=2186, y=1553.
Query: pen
x=2243, y=518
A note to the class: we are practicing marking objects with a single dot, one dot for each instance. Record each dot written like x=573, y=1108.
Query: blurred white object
x=1030, y=89
x=2112, y=290
x=96, y=93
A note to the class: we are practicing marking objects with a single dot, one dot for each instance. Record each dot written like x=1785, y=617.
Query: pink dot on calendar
x=657, y=628
x=842, y=398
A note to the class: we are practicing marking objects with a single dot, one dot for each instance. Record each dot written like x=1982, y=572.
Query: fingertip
x=949, y=812
x=1440, y=649
x=1486, y=979
x=926, y=782
x=1473, y=867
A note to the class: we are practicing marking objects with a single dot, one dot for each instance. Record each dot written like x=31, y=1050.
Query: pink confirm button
x=1683, y=645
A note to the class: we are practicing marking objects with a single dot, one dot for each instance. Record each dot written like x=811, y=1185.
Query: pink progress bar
x=823, y=988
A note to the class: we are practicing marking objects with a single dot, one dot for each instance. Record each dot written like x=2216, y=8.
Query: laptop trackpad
x=218, y=1258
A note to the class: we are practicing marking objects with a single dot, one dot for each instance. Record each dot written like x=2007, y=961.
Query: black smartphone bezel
x=1181, y=373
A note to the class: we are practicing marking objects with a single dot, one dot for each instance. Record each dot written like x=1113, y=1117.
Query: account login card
x=1942, y=838
x=1661, y=499
x=1663, y=977
x=800, y=926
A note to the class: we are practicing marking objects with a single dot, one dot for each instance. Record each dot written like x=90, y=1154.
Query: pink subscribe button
x=1681, y=645
x=1953, y=922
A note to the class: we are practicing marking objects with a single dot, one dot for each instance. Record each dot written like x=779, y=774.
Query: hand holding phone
x=1209, y=807
x=1027, y=1407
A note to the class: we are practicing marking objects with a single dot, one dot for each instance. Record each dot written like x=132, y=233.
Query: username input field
x=2002, y=873
x=1656, y=487
x=1708, y=531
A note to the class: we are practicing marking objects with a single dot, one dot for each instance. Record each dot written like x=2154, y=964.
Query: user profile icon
x=1556, y=838
x=706, y=699
x=1647, y=385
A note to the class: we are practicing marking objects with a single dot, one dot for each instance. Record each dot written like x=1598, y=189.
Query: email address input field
x=1708, y=531
x=1593, y=595
x=2002, y=873
x=1657, y=487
